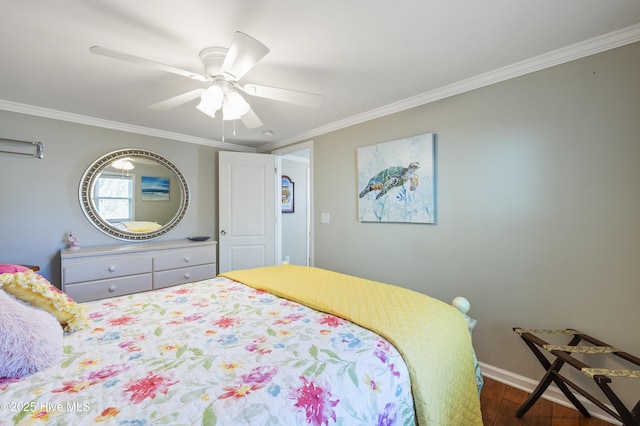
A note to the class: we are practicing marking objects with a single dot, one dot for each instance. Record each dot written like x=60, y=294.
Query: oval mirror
x=134, y=194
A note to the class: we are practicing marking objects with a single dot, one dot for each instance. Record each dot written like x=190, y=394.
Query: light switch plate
x=325, y=217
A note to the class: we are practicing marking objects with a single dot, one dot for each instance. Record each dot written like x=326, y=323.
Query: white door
x=247, y=209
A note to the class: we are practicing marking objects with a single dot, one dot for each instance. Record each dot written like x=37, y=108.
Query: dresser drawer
x=183, y=275
x=99, y=269
x=183, y=258
x=109, y=288
x=93, y=273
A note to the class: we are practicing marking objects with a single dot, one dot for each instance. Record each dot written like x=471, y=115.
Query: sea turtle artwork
x=396, y=181
x=392, y=177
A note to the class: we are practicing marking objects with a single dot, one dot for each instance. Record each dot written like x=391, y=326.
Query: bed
x=137, y=226
x=276, y=345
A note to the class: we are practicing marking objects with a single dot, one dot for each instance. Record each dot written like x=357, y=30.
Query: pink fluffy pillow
x=12, y=269
x=30, y=338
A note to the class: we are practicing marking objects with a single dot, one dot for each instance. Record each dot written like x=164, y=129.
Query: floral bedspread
x=214, y=352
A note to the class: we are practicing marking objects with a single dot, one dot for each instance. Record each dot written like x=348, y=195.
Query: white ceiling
x=365, y=57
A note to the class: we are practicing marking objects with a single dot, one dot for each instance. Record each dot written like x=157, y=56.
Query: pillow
x=35, y=289
x=30, y=338
x=12, y=269
x=142, y=226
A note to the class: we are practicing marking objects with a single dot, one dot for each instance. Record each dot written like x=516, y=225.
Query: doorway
x=295, y=233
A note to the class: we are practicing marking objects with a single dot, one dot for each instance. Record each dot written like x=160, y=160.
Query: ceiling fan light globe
x=234, y=106
x=202, y=107
x=232, y=114
x=123, y=164
x=214, y=94
x=228, y=116
x=211, y=100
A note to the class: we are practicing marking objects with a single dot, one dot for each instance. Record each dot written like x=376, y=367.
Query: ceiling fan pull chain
x=222, y=130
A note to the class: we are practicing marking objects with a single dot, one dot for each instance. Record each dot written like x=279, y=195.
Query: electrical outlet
x=325, y=217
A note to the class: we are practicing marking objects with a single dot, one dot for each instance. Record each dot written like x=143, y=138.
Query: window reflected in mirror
x=113, y=197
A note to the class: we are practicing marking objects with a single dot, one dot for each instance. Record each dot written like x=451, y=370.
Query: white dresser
x=106, y=271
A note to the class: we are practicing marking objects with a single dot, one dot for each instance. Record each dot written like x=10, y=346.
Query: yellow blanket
x=431, y=335
x=142, y=226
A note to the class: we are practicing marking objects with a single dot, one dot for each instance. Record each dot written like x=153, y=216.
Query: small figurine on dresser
x=74, y=242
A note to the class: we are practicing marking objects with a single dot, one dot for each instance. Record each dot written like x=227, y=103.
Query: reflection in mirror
x=134, y=194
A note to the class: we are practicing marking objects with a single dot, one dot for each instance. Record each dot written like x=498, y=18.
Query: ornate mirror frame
x=90, y=176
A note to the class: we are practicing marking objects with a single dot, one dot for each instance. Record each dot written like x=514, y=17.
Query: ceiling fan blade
x=251, y=120
x=177, y=100
x=285, y=95
x=244, y=52
x=102, y=51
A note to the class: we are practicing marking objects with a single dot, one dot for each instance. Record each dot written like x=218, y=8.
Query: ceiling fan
x=223, y=69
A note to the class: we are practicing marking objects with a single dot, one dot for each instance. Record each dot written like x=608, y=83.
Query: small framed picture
x=155, y=188
x=287, y=195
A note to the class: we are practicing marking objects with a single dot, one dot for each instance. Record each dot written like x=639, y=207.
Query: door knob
x=223, y=232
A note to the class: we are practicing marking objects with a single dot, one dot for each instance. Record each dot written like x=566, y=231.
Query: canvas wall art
x=396, y=181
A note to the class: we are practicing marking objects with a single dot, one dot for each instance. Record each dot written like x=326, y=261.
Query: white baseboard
x=552, y=393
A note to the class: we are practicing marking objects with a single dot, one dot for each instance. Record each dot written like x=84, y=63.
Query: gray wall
x=538, y=206
x=40, y=197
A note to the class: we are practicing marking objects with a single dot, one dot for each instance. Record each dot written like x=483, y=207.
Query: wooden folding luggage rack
x=602, y=376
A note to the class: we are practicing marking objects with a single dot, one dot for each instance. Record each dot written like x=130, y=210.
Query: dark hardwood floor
x=500, y=402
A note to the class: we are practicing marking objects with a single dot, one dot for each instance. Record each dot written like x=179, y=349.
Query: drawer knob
x=187, y=275
x=112, y=289
x=187, y=259
x=112, y=268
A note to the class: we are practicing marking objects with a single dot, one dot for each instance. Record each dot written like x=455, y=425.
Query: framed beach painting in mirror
x=155, y=188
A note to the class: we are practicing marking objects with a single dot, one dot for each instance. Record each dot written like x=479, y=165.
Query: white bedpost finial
x=463, y=305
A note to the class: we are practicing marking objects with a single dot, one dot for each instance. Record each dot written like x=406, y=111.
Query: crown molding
x=570, y=53
x=115, y=125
